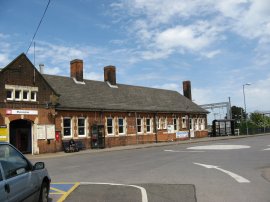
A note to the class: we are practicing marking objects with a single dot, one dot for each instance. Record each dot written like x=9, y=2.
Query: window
x=25, y=95
x=9, y=94
x=165, y=123
x=175, y=124
x=184, y=122
x=159, y=123
x=148, y=125
x=33, y=96
x=21, y=93
x=13, y=163
x=121, y=126
x=110, y=126
x=139, y=125
x=17, y=95
x=196, y=126
x=81, y=126
x=190, y=124
x=67, y=127
x=203, y=124
x=1, y=178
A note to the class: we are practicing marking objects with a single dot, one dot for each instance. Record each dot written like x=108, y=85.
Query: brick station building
x=39, y=112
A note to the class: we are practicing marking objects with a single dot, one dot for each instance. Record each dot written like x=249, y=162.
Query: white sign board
x=50, y=131
x=170, y=129
x=45, y=132
x=182, y=134
x=41, y=132
x=24, y=112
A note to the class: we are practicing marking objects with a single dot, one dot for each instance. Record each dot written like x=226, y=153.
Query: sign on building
x=45, y=132
x=3, y=133
x=182, y=134
x=21, y=112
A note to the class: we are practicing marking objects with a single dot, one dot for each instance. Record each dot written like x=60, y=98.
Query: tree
x=238, y=113
x=260, y=120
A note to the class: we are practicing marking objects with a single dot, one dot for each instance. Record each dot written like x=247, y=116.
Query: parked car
x=20, y=180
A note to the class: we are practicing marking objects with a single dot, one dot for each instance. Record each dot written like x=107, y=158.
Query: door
x=16, y=174
x=191, y=127
x=21, y=135
x=3, y=193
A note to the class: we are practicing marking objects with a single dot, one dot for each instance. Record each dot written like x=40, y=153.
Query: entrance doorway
x=21, y=135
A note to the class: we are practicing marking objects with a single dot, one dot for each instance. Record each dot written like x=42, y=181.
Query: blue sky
x=217, y=45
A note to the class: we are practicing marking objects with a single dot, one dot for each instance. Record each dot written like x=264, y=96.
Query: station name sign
x=24, y=112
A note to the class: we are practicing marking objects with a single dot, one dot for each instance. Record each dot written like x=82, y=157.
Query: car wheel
x=44, y=193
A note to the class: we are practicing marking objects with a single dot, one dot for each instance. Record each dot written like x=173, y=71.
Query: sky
x=218, y=45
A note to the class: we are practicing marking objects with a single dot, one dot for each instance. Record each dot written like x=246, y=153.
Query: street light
x=247, y=84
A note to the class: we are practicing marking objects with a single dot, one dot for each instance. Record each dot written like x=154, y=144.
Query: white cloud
x=194, y=37
x=196, y=26
x=211, y=54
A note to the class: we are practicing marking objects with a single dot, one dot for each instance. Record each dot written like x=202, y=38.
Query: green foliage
x=260, y=120
x=238, y=113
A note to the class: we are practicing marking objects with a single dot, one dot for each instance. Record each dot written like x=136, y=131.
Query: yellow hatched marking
x=65, y=195
x=58, y=190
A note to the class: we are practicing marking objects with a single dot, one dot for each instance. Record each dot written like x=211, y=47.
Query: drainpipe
x=155, y=127
x=136, y=128
x=188, y=117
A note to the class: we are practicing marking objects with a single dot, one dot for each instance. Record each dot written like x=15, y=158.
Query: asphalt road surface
x=228, y=170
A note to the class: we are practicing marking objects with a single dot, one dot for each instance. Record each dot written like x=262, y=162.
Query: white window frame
x=150, y=122
x=124, y=126
x=141, y=125
x=175, y=125
x=165, y=123
x=23, y=95
x=196, y=121
x=84, y=121
x=35, y=96
x=67, y=136
x=159, y=125
x=20, y=95
x=22, y=89
x=184, y=122
x=12, y=94
x=191, y=121
x=203, y=124
x=110, y=134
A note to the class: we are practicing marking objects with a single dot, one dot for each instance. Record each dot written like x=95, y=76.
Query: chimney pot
x=76, y=69
x=187, y=89
x=41, y=68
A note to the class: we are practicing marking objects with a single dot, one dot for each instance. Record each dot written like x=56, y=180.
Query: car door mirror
x=39, y=166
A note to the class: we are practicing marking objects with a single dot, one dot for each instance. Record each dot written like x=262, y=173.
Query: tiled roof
x=98, y=95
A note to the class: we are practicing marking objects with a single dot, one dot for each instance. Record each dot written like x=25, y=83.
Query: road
x=228, y=170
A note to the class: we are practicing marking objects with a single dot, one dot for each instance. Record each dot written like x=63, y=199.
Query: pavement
x=138, y=146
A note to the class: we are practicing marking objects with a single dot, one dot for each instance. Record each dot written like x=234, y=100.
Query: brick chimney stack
x=110, y=75
x=187, y=89
x=76, y=69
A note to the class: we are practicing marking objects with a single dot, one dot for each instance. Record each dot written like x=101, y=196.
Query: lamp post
x=247, y=84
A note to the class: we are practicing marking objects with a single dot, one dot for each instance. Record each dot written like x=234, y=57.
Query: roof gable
x=23, y=65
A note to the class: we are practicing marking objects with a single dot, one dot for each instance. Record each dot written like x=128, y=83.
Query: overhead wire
x=49, y=1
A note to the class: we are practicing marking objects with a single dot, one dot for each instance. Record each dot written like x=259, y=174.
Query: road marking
x=183, y=151
x=267, y=148
x=143, y=191
x=238, y=178
x=219, y=147
x=60, y=191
